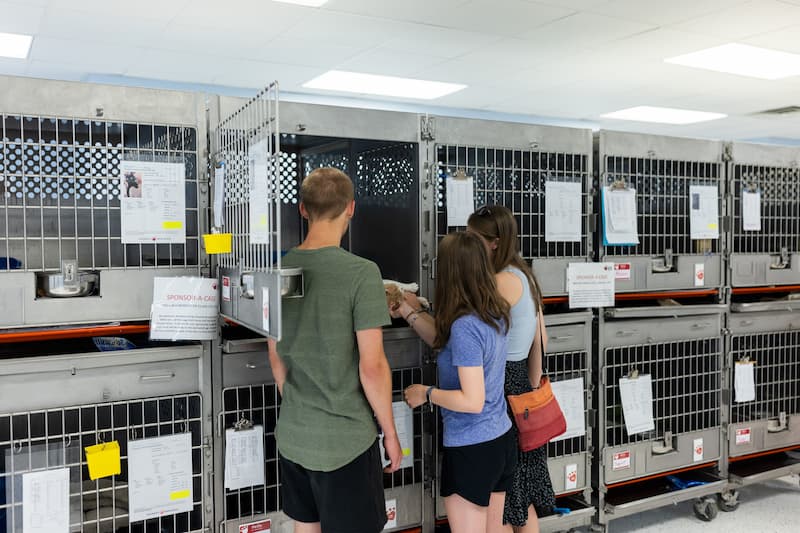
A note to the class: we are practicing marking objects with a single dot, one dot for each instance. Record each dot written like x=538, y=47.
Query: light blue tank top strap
x=523, y=321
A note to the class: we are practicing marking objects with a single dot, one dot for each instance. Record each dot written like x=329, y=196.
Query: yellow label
x=180, y=495
x=103, y=460
x=406, y=452
x=172, y=224
x=712, y=226
x=263, y=220
x=217, y=243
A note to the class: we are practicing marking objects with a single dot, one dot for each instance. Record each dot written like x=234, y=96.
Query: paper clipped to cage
x=258, y=158
x=637, y=403
x=569, y=395
x=45, y=501
x=751, y=210
x=404, y=423
x=562, y=211
x=152, y=202
x=460, y=199
x=744, y=380
x=704, y=212
x=244, y=457
x=619, y=216
x=590, y=285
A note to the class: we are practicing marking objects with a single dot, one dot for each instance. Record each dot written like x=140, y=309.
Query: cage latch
x=664, y=264
x=776, y=426
x=665, y=446
x=782, y=261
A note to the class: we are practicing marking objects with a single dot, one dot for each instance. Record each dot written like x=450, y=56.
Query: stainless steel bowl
x=53, y=286
x=291, y=282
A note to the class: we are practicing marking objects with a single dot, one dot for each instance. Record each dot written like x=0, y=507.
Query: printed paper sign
x=704, y=212
x=751, y=210
x=262, y=526
x=622, y=271
x=244, y=458
x=571, y=477
x=391, y=514
x=219, y=195
x=259, y=208
x=637, y=403
x=569, y=395
x=699, y=274
x=152, y=202
x=460, y=200
x=184, y=308
x=622, y=460
x=619, y=217
x=590, y=284
x=743, y=436
x=697, y=450
x=562, y=211
x=744, y=381
x=45, y=501
x=404, y=423
x=226, y=288
x=160, y=476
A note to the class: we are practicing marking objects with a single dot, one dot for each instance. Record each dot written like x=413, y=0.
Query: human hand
x=416, y=395
x=394, y=453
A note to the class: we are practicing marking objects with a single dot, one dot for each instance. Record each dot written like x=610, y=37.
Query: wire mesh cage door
x=246, y=154
x=680, y=232
x=765, y=207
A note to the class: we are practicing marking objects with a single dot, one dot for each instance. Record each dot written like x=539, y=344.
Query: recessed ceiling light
x=743, y=60
x=309, y=3
x=355, y=82
x=14, y=45
x=664, y=115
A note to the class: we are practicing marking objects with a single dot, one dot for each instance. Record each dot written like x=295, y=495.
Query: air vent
x=781, y=111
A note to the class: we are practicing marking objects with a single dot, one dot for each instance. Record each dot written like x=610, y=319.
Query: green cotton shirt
x=325, y=420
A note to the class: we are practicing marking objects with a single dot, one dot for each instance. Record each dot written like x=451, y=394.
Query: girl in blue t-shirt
x=469, y=330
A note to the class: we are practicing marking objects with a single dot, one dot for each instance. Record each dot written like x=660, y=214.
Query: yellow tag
x=172, y=224
x=103, y=460
x=406, y=452
x=180, y=495
x=263, y=220
x=217, y=243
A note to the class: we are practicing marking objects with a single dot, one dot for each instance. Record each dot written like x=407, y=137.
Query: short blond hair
x=326, y=193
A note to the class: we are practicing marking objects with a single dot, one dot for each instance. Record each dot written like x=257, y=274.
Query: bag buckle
x=525, y=415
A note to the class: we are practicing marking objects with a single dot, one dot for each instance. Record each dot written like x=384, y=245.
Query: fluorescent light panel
x=308, y=3
x=744, y=60
x=14, y=45
x=355, y=82
x=664, y=115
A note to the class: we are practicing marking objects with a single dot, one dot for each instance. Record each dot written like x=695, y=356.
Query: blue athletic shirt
x=474, y=343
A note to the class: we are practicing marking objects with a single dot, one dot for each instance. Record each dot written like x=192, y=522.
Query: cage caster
x=706, y=509
x=728, y=500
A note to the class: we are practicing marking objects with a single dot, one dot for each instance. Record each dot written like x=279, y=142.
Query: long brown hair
x=465, y=285
x=497, y=223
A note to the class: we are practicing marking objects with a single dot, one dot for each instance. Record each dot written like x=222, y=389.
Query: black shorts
x=347, y=500
x=474, y=472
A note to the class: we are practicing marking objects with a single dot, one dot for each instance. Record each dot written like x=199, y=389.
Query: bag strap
x=540, y=331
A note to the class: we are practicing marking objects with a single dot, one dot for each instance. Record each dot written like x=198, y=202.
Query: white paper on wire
x=259, y=209
x=219, y=195
x=704, y=212
x=160, y=476
x=404, y=423
x=569, y=395
x=460, y=200
x=744, y=381
x=184, y=308
x=562, y=211
x=751, y=210
x=619, y=216
x=244, y=458
x=152, y=202
x=637, y=403
x=45, y=501
x=590, y=285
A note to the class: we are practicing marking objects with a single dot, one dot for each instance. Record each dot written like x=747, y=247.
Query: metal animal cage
x=768, y=251
x=662, y=170
x=60, y=204
x=122, y=398
x=511, y=165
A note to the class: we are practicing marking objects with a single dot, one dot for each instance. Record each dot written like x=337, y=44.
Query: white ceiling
x=570, y=60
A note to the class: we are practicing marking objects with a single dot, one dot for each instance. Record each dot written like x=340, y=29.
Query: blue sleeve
x=467, y=342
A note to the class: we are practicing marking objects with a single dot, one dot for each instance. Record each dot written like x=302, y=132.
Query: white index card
x=244, y=457
x=751, y=210
x=744, y=381
x=704, y=212
x=637, y=403
x=460, y=200
x=569, y=395
x=160, y=476
x=45, y=501
x=619, y=217
x=562, y=211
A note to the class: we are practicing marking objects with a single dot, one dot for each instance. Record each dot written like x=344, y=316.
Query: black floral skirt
x=531, y=483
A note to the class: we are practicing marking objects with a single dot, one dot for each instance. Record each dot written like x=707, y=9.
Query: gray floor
x=772, y=507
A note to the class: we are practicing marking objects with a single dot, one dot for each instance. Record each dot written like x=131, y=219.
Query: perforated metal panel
x=55, y=438
x=60, y=186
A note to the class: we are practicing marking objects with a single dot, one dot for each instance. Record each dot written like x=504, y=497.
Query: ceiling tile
x=423, y=11
x=658, y=44
x=102, y=27
x=172, y=66
x=13, y=67
x=257, y=74
x=389, y=62
x=241, y=15
x=90, y=57
x=441, y=42
x=745, y=20
x=787, y=40
x=662, y=13
x=216, y=42
x=506, y=18
x=304, y=52
x=341, y=28
x=20, y=17
x=584, y=31
x=572, y=4
x=54, y=71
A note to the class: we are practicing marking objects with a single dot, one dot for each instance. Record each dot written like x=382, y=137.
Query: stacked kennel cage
x=511, y=165
x=677, y=342
x=764, y=319
x=62, y=255
x=379, y=151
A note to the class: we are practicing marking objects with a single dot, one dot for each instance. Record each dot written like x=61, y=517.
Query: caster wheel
x=706, y=509
x=728, y=501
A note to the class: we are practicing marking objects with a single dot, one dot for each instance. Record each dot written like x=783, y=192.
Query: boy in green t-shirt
x=332, y=374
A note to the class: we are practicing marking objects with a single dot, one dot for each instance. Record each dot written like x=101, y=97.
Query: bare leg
x=497, y=502
x=307, y=527
x=532, y=525
x=464, y=516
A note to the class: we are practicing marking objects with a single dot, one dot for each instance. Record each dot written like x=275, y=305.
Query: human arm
x=470, y=398
x=535, y=355
x=418, y=319
x=276, y=364
x=376, y=380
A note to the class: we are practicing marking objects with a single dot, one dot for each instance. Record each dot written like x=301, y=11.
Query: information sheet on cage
x=751, y=210
x=244, y=457
x=258, y=164
x=704, y=212
x=184, y=308
x=569, y=395
x=562, y=211
x=404, y=423
x=219, y=195
x=590, y=285
x=460, y=200
x=637, y=403
x=152, y=202
x=45, y=501
x=160, y=476
x=619, y=217
x=744, y=380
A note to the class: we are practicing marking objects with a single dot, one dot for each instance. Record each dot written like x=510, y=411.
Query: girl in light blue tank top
x=523, y=321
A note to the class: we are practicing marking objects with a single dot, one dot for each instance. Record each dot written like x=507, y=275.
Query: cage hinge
x=726, y=222
x=725, y=396
x=593, y=222
x=427, y=128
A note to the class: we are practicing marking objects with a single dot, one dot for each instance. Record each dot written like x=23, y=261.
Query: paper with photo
x=160, y=476
x=744, y=381
x=562, y=211
x=45, y=501
x=751, y=210
x=460, y=200
x=152, y=202
x=637, y=403
x=404, y=424
x=619, y=217
x=569, y=395
x=704, y=212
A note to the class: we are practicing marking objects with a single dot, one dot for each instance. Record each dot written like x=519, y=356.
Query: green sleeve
x=369, y=300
